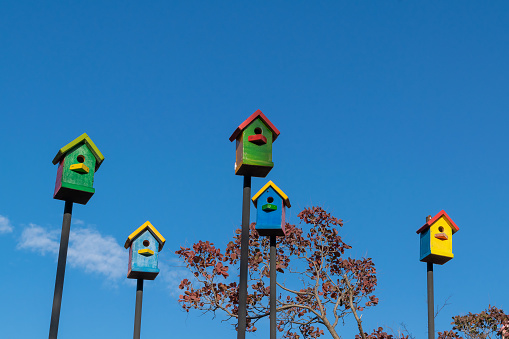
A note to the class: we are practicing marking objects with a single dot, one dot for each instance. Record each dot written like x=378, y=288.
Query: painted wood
x=144, y=246
x=254, y=138
x=276, y=188
x=82, y=139
x=252, y=117
x=270, y=211
x=139, y=230
x=257, y=139
x=436, y=239
x=77, y=166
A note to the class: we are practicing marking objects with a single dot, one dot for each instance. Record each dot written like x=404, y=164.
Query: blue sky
x=389, y=111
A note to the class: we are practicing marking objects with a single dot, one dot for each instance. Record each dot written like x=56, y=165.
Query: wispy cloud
x=88, y=249
x=173, y=271
x=38, y=239
x=77, y=222
x=96, y=253
x=5, y=225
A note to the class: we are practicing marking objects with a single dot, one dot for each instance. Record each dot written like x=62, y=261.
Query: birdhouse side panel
x=257, y=152
x=79, y=167
x=441, y=238
x=58, y=182
x=145, y=253
x=425, y=249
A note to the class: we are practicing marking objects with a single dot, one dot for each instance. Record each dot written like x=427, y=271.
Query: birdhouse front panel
x=436, y=239
x=143, y=257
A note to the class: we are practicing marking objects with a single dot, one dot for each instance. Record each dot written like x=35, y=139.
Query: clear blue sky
x=388, y=111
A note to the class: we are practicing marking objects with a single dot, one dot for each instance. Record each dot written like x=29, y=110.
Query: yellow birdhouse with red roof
x=436, y=239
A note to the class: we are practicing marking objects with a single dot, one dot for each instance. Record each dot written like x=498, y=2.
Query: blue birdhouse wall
x=270, y=214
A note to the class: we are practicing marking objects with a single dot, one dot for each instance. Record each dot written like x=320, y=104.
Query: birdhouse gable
x=147, y=226
x=441, y=215
x=275, y=189
x=258, y=114
x=82, y=139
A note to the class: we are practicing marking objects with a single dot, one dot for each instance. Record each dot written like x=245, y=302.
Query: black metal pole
x=244, y=251
x=272, y=287
x=431, y=315
x=137, y=311
x=59, y=280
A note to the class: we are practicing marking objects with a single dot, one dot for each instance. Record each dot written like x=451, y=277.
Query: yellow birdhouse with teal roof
x=436, y=239
x=77, y=163
x=144, y=246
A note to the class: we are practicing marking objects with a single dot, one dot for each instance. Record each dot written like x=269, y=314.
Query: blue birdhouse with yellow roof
x=144, y=246
x=77, y=163
x=270, y=203
x=436, y=239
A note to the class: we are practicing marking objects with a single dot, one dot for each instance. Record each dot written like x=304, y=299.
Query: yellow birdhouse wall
x=442, y=247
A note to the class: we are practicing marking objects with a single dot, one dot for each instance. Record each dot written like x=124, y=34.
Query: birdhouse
x=436, y=239
x=144, y=245
x=254, y=145
x=270, y=203
x=77, y=163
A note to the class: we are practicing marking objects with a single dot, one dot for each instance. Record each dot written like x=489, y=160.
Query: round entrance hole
x=146, y=243
x=441, y=229
x=81, y=158
x=270, y=200
x=258, y=130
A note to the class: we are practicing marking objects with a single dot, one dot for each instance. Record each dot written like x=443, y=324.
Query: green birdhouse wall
x=77, y=163
x=254, y=138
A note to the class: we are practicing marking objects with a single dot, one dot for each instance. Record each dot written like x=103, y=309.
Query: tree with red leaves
x=491, y=323
x=319, y=288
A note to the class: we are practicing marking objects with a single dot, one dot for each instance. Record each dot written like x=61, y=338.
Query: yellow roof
x=286, y=200
x=152, y=229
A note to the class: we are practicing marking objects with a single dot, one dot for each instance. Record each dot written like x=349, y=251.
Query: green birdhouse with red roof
x=77, y=163
x=254, y=138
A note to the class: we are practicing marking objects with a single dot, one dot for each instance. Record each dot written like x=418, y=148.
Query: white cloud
x=78, y=222
x=88, y=249
x=5, y=225
x=96, y=253
x=38, y=239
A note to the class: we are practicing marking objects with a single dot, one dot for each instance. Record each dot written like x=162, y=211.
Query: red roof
x=431, y=221
x=258, y=113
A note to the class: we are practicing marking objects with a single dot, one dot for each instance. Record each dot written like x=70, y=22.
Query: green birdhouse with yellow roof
x=254, y=138
x=77, y=163
x=436, y=239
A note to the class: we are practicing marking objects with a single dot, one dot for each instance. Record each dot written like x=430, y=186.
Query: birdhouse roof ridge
x=82, y=139
x=248, y=121
x=147, y=225
x=431, y=221
x=286, y=200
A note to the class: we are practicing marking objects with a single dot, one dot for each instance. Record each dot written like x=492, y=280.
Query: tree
x=491, y=323
x=319, y=288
